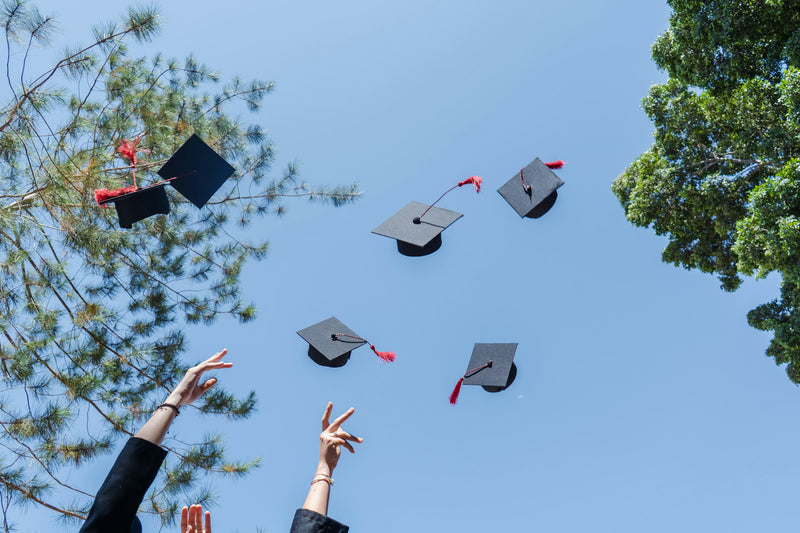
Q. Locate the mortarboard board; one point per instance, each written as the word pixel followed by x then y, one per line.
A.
pixel 532 191
pixel 330 343
pixel 196 171
pixel 418 238
pixel 137 204
pixel 491 366
pixel 418 227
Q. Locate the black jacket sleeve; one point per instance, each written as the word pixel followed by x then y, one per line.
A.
pixel 306 521
pixel 122 492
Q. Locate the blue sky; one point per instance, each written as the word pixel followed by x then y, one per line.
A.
pixel 644 401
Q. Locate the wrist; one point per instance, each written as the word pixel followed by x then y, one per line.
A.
pixel 169 407
pixel 324 469
pixel 174 399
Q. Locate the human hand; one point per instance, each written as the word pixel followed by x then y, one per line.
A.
pixel 332 439
pixel 190 389
pixel 192 520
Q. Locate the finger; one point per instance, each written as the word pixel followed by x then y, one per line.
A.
pixel 194 517
pixel 205 367
pixel 217 356
pixel 208 384
pixel 184 519
pixel 348 446
pixel 199 518
pixel 326 416
pixel 208 522
pixel 214 359
pixel 334 442
pixel 347 436
pixel 338 422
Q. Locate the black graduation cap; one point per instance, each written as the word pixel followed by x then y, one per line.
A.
pixel 196 171
pixel 491 366
pixel 137 205
pixel 417 236
pixel 418 227
pixel 532 191
pixel 330 343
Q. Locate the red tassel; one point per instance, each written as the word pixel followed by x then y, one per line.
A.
pixel 555 164
pixel 386 356
pixel 128 149
pixel 475 180
pixel 456 391
pixel 104 194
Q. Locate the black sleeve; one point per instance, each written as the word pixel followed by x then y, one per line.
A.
pixel 306 521
pixel 122 492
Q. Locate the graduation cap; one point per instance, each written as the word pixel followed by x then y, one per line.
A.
pixel 195 170
pixel 418 227
pixel 134 204
pixel 330 343
pixel 491 366
pixel 532 191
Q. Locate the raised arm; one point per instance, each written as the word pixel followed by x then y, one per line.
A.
pixel 119 497
pixel 332 438
pixel 312 517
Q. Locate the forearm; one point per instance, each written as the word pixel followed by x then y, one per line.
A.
pixel 319 493
pixel 155 429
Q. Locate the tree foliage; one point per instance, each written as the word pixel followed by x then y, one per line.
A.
pixel 90 325
pixel 721 180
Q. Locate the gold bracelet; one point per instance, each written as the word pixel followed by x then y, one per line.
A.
pixel 322 477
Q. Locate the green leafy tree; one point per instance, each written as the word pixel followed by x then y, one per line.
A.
pixel 722 179
pixel 90 337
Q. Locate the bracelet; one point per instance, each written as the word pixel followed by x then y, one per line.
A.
pixel 173 407
pixel 322 477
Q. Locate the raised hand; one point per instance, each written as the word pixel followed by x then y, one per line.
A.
pixel 332 438
pixel 192 520
pixel 190 388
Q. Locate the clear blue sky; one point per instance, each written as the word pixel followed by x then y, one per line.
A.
pixel 644 401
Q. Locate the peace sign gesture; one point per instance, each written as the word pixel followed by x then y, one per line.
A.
pixel 332 438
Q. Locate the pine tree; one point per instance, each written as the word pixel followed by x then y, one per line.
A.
pixel 92 314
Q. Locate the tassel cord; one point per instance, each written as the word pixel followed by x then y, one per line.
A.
pixel 474 371
pixel 385 356
pixel 434 203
